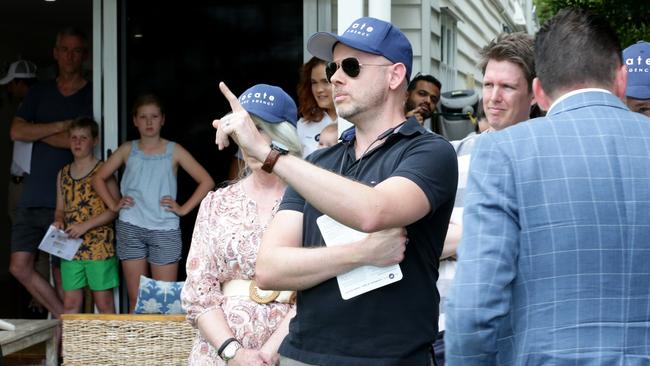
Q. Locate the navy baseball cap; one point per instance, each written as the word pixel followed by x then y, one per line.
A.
pixel 369 35
pixel 637 62
pixel 269 103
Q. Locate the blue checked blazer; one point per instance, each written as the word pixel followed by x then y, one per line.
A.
pixel 554 263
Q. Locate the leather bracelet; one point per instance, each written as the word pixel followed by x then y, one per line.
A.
pixel 225 344
pixel 270 160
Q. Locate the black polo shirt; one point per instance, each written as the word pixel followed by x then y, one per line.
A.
pixel 394 324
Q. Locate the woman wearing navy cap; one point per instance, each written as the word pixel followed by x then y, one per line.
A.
pixel 240 324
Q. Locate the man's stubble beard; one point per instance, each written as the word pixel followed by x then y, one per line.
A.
pixel 354 108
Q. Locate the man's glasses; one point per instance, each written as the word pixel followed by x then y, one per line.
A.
pixel 350 66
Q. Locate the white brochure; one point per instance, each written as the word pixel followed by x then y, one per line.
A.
pixel 58 243
pixel 362 279
pixel 22 158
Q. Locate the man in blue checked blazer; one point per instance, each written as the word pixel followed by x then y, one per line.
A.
pixel 554 264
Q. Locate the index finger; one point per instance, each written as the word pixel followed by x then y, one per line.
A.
pixel 232 99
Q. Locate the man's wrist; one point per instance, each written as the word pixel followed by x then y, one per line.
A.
pixel 358 254
pixel 64 125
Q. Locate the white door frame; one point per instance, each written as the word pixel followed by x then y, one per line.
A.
pixel 105 75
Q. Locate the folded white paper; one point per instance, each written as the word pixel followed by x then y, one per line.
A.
pixel 362 279
pixel 22 158
pixel 58 243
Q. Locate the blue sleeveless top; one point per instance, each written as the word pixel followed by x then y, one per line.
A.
pixel 148 178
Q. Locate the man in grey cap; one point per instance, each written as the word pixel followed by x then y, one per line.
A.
pixel 389 178
pixel 637 61
pixel 17 81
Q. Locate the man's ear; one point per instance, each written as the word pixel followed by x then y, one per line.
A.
pixel 543 101
pixel 397 74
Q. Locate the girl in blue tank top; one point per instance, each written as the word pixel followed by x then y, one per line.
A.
pixel 147 231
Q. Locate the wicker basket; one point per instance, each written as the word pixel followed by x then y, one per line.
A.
pixel 125 339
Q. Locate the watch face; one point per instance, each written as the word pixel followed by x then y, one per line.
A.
pixel 231 349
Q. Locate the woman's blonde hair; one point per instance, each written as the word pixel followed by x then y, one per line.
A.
pixel 282 132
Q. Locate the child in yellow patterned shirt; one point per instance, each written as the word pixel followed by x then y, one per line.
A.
pixel 82 214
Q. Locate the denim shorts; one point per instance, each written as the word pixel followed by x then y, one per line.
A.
pixel 159 247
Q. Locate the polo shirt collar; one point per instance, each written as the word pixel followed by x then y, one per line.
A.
pixel 407 128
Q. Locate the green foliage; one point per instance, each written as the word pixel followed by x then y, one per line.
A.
pixel 630 18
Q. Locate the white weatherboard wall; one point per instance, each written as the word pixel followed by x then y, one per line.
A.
pixel 477 23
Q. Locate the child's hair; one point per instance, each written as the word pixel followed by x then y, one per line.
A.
pixel 332 127
pixel 147 99
pixel 85 122
pixel 328 132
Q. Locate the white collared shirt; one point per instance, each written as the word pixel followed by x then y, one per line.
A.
pixel 574 92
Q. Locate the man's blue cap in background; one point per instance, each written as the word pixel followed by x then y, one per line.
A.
pixel 637 62
pixel 369 35
pixel 269 103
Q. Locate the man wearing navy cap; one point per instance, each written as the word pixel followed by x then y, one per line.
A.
pixel 637 61
pixel 388 177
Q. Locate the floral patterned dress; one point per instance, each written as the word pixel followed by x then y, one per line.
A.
pixel 227 236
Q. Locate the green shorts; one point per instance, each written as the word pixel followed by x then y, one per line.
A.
pixel 97 275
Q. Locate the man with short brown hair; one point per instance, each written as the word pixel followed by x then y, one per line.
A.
pixel 553 264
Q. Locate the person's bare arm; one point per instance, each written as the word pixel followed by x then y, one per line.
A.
pixel 59 221
pixel 60 140
pixel 22 130
pixel 282 262
pixel 79 229
pixel 454 233
pixel 214 329
pixel 272 344
pixel 114 162
pixel 395 202
pixel 200 176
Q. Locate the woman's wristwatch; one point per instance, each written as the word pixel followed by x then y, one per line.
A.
pixel 228 349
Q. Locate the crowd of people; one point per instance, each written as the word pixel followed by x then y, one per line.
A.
pixel 386 244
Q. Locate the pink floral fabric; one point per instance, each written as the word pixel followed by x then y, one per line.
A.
pixel 227 236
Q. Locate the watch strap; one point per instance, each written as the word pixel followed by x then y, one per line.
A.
pixel 270 160
pixel 224 345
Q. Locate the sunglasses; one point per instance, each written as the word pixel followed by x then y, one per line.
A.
pixel 350 66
